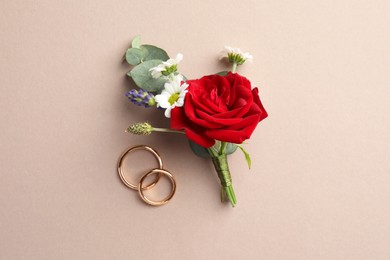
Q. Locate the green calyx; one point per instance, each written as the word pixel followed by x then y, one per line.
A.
pixel 236 58
pixel 169 70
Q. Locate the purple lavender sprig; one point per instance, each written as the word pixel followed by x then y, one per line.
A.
pixel 141 98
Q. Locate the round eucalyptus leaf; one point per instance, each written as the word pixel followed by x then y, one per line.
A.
pixel 199 150
pixel 202 152
pixel 155 53
pixel 136 43
pixel 135 56
pixel 143 78
pixel 231 148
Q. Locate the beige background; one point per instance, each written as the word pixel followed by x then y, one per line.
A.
pixel 319 187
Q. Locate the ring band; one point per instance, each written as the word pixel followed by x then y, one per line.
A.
pixel 159 172
pixel 122 176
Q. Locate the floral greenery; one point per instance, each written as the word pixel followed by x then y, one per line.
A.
pixel 216 113
pixel 143 58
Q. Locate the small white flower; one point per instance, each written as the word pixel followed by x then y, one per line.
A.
pixel 166 68
pixel 235 55
pixel 173 95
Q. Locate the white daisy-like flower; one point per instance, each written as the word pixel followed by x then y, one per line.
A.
pixel 173 95
pixel 235 55
pixel 166 68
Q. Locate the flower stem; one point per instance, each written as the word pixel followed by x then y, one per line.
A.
pixel 222 168
pixel 223 148
pixel 167 130
pixel 234 67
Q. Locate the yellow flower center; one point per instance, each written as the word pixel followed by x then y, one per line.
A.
pixel 173 98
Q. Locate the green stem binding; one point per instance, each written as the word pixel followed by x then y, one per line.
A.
pixel 222 168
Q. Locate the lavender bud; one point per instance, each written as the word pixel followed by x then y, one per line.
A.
pixel 141 97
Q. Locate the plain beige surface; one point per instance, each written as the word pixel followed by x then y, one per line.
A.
pixel 319 187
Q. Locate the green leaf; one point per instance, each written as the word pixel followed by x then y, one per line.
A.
pixel 202 152
pixel 155 53
pixel 199 150
pixel 222 73
pixel 247 156
pixel 231 148
pixel 143 78
pixel 136 43
pixel 135 56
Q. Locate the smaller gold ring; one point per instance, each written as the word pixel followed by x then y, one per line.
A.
pixel 139 147
pixel 161 202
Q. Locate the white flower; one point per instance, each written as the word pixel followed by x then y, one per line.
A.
pixel 235 55
pixel 166 68
pixel 173 95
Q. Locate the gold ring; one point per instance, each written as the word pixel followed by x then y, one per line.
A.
pixel 139 147
pixel 161 202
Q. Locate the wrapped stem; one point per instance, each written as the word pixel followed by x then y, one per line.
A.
pixel 222 168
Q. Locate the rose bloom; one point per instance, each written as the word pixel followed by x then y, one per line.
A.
pixel 223 108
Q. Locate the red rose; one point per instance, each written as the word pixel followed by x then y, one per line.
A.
pixel 223 108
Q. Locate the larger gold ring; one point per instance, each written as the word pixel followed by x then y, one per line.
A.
pixel 139 147
pixel 161 202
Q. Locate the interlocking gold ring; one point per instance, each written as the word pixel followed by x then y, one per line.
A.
pixel 139 147
pixel 158 172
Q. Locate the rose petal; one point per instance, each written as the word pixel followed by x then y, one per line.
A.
pixel 217 107
pixel 231 136
pixel 189 111
pixel 178 118
pixel 179 121
pixel 245 122
pixel 220 122
pixel 257 100
pixel 201 139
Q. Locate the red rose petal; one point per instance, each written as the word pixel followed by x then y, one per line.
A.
pixel 200 139
pixel 221 108
pixel 189 111
pixel 231 136
pixel 219 122
pixel 257 100
pixel 246 122
pixel 179 121
pixel 178 118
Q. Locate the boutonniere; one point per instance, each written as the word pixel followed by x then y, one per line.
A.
pixel 216 112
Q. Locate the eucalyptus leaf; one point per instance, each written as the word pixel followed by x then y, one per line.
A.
pixel 135 56
pixel 136 43
pixel 155 53
pixel 199 150
pixel 247 156
pixel 231 148
pixel 202 152
pixel 222 73
pixel 143 78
